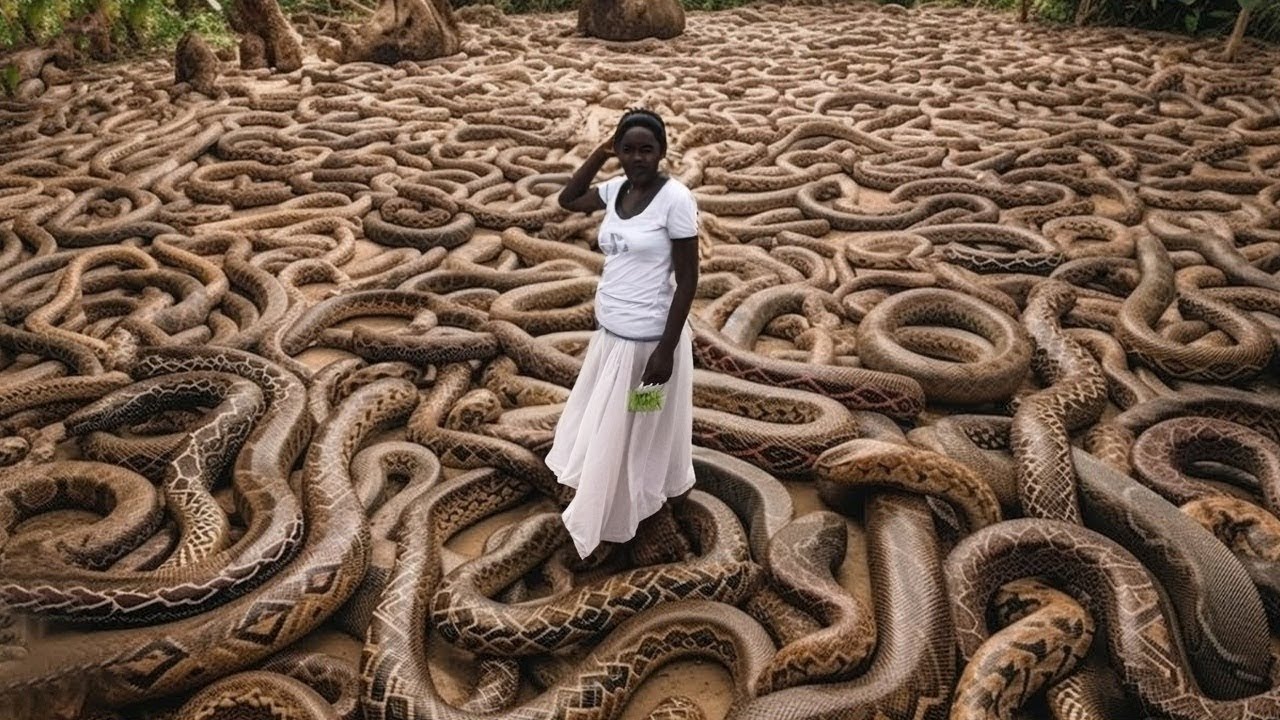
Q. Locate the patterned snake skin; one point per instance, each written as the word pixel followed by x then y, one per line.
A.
pixel 1075 398
pixel 1112 585
pixel 1211 595
pixel 463 614
pixel 911 672
pixel 1046 636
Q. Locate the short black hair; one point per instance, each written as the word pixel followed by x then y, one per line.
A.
pixel 647 119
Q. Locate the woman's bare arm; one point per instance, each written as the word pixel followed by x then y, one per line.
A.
pixel 577 194
pixel 684 262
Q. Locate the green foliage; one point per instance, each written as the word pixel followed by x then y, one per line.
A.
pixel 9 77
pixel 39 18
pixel 1194 17
pixel 10 30
pixel 1056 10
pixel 134 25
pixel 211 25
pixel 1265 22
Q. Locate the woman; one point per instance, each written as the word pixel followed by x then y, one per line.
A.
pixel 624 465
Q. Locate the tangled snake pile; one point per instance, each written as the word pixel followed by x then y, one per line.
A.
pixel 274 364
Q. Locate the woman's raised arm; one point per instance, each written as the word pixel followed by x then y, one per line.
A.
pixel 577 194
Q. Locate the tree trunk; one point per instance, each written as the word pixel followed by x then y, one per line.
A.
pixel 1023 7
pixel 1237 34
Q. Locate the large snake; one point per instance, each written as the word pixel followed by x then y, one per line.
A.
pixel 1245 357
pixel 199 459
pixel 992 378
pixel 269 507
pixel 1164 458
pixel 802 557
pixel 1075 398
pixel 1047 635
pixel 1216 608
pixel 912 668
pixel 124 666
pixel 463 614
pixel 1114 587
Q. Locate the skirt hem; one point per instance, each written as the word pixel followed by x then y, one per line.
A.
pixel 620 463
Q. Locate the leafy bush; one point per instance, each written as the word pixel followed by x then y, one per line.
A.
pixel 134 24
pixel 1266 22
pixel 1204 17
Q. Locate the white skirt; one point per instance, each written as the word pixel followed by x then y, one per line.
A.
pixel 623 464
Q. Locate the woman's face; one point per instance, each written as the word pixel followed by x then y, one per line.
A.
pixel 639 152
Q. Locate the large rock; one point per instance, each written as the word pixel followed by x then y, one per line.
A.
pixel 403 30
pixel 630 19
pixel 39 68
pixel 28 63
pixel 267 38
pixel 253 52
pixel 195 63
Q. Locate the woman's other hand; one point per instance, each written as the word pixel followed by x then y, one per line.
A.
pixel 658 370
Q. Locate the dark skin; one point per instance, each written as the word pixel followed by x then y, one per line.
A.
pixel 640 154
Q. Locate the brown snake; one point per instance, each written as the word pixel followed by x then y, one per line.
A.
pixel 199 459
pixel 989 379
pixel 1163 457
pixel 1246 356
pixel 801 559
pixel 1112 585
pixel 311 586
pixel 1046 636
pixel 275 521
pixel 911 672
pixel 463 614
pixel 1075 398
pixel 1212 596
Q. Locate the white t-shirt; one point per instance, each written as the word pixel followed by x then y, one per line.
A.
pixel 637 285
